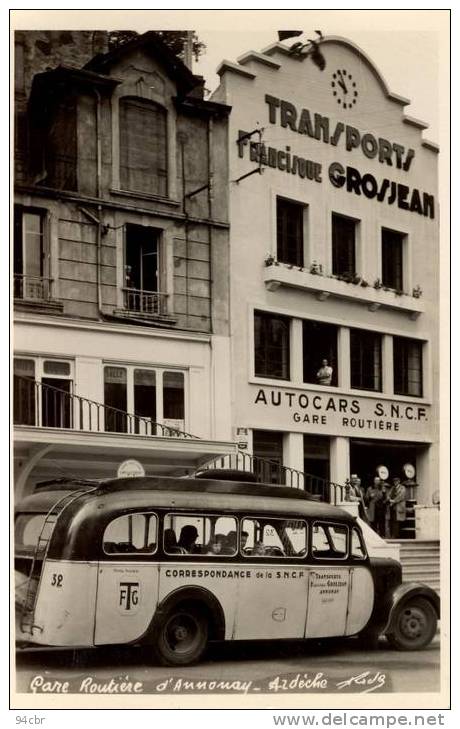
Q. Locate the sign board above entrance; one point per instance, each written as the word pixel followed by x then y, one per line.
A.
pixel 307 411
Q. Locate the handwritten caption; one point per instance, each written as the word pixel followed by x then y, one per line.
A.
pixel 364 682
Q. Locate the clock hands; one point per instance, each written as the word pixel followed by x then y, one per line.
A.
pixel 341 82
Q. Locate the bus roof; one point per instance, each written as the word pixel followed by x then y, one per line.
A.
pixel 169 491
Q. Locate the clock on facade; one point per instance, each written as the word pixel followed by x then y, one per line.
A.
pixel 344 88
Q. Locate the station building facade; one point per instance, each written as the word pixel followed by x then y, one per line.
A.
pixel 121 260
pixel 334 256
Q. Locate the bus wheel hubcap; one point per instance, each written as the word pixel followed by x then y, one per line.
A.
pixel 413 622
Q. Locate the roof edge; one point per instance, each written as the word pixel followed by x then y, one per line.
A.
pixel 259 58
pixel 234 68
pixel 401 100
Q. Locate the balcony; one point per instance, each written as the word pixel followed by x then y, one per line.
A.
pixel 34 292
pixel 142 304
pixel 44 406
pixel 59 433
pixel 279 274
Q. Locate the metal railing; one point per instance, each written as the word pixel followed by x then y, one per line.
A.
pixel 34 288
pixel 42 405
pixel 145 302
pixel 267 471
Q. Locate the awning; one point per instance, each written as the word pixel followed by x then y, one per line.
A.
pixel 42 453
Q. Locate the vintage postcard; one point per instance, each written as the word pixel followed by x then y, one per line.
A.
pixel 229 276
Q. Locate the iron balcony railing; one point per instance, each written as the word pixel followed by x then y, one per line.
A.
pixel 43 405
pixel 145 302
pixel 34 288
pixel 267 471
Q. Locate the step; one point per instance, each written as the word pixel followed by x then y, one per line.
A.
pixel 421 561
pixel 425 573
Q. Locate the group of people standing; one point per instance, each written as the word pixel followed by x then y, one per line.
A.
pixel 381 505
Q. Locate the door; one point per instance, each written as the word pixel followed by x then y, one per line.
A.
pixel 127 585
pixel 272 592
pixel 328 581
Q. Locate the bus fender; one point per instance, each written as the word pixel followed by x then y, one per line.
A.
pixel 405 592
pixel 194 594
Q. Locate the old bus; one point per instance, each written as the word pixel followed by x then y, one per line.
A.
pixel 174 563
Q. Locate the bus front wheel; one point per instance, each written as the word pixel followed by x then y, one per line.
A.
pixel 414 625
pixel 182 636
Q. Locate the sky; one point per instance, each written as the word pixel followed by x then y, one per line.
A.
pixel 409 47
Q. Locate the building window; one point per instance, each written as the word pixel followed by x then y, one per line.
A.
pixel 366 360
pixel 392 259
pixel 289 231
pixel 343 246
pixel 60 148
pixel 139 398
pixel 173 396
pixel 271 343
pixel 142 271
pixel 143 147
pixel 24 392
pixel 43 393
pixel 115 396
pixel 31 255
pixel 407 366
pixel 267 447
pixel 319 353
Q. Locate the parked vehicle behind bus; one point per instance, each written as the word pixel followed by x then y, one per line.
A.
pixel 175 563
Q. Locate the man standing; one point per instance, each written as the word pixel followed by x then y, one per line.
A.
pixel 324 374
pixel 354 492
pixel 397 504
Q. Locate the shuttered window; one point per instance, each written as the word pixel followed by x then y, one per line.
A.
pixel 61 147
pixel 143 147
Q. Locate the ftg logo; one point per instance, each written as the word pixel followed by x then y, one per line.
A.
pixel 129 597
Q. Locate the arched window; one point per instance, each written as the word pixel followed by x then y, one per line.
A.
pixel 143 147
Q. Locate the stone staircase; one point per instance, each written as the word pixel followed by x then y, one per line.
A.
pixel 420 561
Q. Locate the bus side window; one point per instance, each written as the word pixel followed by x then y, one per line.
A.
pixel 358 550
pixel 329 541
pixel 131 534
pixel 213 535
pixel 273 537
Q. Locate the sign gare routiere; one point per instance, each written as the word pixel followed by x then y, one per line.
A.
pixel 319 127
pixel 338 414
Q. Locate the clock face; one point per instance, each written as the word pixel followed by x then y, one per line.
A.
pixel 344 89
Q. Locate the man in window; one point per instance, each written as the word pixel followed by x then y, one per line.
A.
pixel 324 374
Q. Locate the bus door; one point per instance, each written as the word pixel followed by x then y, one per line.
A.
pixel 340 596
pixel 328 581
pixel 271 597
pixel 127 587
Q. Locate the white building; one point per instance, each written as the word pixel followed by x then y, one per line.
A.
pixel 334 256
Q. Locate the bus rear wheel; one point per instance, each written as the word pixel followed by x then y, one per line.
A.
pixel 413 626
pixel 182 637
